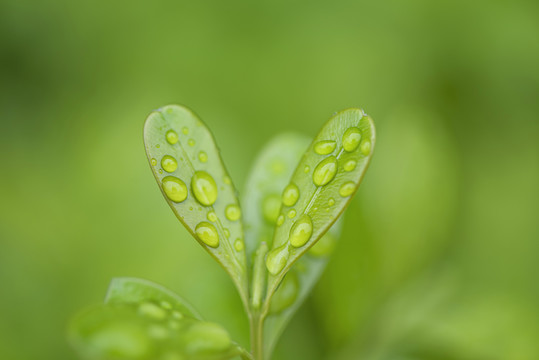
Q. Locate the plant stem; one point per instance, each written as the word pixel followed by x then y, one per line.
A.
pixel 257 335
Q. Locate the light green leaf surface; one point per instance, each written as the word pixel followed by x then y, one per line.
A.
pixel 326 178
pixel 191 175
pixel 269 176
pixel 143 321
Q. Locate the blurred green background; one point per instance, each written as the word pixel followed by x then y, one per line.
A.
pixel 440 256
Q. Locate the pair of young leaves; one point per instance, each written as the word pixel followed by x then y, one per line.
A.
pixel 288 213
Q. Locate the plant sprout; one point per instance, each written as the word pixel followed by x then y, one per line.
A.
pixel 274 250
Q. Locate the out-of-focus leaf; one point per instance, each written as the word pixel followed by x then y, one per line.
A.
pixel 133 290
pixel 143 321
pixel 323 183
pixel 189 171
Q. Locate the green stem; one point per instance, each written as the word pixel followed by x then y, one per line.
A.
pixel 257 336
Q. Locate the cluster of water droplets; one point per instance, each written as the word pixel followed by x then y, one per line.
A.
pixel 353 141
pixel 165 322
pixel 204 189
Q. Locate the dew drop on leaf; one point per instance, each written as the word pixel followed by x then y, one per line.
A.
pixel 204 188
pixel 351 139
pixel 172 137
pixel 325 147
pixel 153 162
pixel 306 169
pixel 301 231
pixel 202 156
pixel 185 130
pixel 174 189
pixel 347 189
pixel 227 233
pixel 152 311
pixel 291 214
pixel 233 212
pixel 211 216
pixel 169 164
pixel 290 194
pixel 238 245
pixel 191 142
pixel 349 165
pixel 366 147
pixel 331 201
pixel 207 233
pixel 277 258
pixel 325 171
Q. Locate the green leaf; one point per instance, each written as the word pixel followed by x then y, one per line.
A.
pixel 133 290
pixel 190 173
pixel 269 175
pixel 271 172
pixel 322 185
pixel 143 320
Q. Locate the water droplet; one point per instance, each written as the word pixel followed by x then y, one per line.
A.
pixel 347 189
pixel 238 245
pixel 270 208
pixel 152 311
pixel 158 332
pixel 165 305
pixel 202 156
pixel 211 216
pixel 351 139
pixel 153 162
pixel 172 137
pixel 301 231
pixel 204 188
pixel 349 165
pixel 174 189
pixel 177 315
pixel 325 147
pixel 280 220
pixel 324 246
pixel 185 130
pixel 306 169
pixel 169 164
pixel 277 258
pixel 207 233
pixel 325 171
pixel 291 214
pixel 227 233
pixel 191 142
pixel 331 201
pixel 160 171
pixel 366 147
pixel 233 212
pixel 290 194
pixel 227 180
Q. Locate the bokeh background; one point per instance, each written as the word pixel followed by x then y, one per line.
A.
pixel 440 255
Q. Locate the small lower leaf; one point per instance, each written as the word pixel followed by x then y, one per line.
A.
pixel 144 321
pixel 133 290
